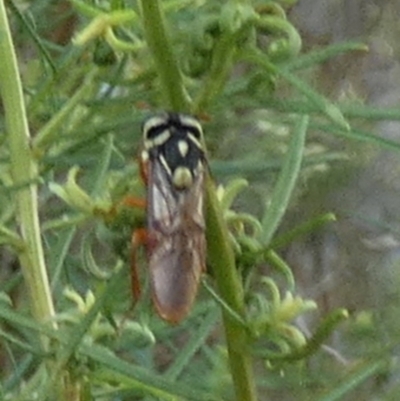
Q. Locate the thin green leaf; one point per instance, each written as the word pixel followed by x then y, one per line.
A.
pixel 369 112
pixel 354 380
pixel 256 167
pixel 61 251
pixel 278 204
pixel 324 105
pixel 198 338
pixel 320 102
pixel 303 229
pixel 276 261
pixel 319 56
pixel 36 39
pixel 144 377
pixel 360 135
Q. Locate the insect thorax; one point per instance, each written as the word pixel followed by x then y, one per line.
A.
pixel 175 142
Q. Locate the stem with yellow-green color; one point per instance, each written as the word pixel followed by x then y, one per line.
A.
pixel 165 62
pixel 220 254
pixel 222 261
pixel 24 172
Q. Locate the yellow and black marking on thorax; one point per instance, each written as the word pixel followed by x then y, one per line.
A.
pixel 175 141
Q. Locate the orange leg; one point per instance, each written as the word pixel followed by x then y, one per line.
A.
pixel 139 238
pixel 134 202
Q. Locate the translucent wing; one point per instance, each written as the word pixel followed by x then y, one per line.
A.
pixel 176 242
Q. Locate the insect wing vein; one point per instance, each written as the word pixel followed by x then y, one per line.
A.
pixel 177 243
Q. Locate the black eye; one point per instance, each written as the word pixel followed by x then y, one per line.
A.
pixel 155 131
pixel 153 127
pixel 193 130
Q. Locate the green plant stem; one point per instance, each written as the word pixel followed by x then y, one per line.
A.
pixel 222 261
pixel 219 250
pixel 24 172
pixel 167 68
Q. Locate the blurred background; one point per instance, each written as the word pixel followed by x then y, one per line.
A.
pixel 353 263
pixel 356 261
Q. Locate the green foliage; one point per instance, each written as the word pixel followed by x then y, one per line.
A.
pixel 72 334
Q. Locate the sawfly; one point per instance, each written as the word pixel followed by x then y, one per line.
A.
pixel 173 166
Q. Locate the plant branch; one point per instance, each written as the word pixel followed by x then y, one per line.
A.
pixel 24 172
pixel 222 261
pixel 219 250
pixel 165 62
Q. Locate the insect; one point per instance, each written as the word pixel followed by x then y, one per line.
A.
pixel 173 166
